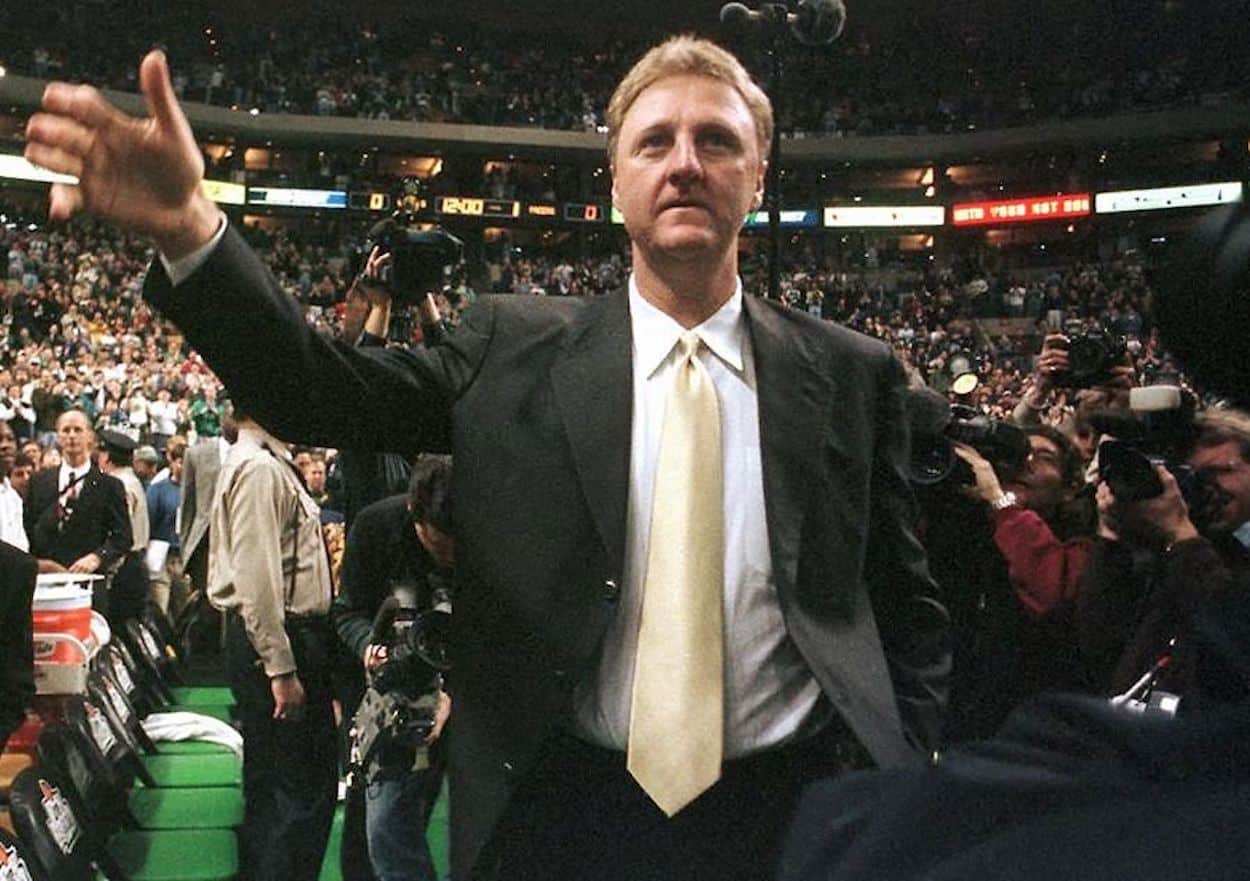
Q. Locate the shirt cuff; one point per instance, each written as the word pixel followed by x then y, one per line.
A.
pixel 184 267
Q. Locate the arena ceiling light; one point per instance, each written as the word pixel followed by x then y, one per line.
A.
pixel 864 216
pixel 1167 198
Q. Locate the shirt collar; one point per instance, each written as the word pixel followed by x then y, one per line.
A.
pixel 78 473
pixel 656 333
pixel 1242 534
pixel 262 438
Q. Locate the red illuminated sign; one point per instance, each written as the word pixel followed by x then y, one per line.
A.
pixel 1021 210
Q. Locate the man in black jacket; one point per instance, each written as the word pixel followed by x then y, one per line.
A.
pixel 794 542
pixel 75 516
pixel 17 662
pixel 400 543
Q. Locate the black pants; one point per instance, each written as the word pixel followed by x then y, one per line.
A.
pixel 128 595
pixel 290 775
pixel 581 815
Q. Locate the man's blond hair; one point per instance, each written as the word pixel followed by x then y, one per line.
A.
pixel 688 54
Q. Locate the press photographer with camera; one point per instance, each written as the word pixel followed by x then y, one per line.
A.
pixel 396 580
pixel 1038 527
pixel 1162 555
pixel 1086 371
pixel 1007 529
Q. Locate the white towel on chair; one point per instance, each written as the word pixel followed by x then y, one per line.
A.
pixel 192 726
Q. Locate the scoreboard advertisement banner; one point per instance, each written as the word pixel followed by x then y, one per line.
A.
pixel 296 198
pixel 862 216
pixel 1060 207
pixel 1165 198
pixel 474 206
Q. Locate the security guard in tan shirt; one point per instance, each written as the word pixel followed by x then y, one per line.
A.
pixel 268 571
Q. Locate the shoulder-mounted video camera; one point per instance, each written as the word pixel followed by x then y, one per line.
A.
pixel 398 709
pixel 936 425
pixel 420 251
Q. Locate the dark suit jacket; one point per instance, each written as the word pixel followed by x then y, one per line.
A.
pixel 534 397
pixel 100 523
pixel 17 659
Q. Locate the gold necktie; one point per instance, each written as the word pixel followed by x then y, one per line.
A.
pixel 677 719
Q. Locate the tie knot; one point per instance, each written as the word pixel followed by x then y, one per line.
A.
pixel 689 342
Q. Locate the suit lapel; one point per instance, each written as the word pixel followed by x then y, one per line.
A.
pixel 794 399
pixel 593 383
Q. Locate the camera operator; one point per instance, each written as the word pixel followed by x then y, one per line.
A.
pixel 1100 381
pixel 402 540
pixel 1038 527
pixel 1154 569
pixel 367 477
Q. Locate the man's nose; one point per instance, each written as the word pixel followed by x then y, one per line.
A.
pixel 684 162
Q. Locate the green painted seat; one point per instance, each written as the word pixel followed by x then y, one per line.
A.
pixel 185 855
pixel 209 807
pixel 217 711
pixel 203 695
pixel 195 770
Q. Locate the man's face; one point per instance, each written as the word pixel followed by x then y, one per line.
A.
pixel 687 168
pixel 1041 487
pixel 315 476
pixel 19 477
pixel 1224 464
pixel 144 470
pixel 8 449
pixel 440 545
pixel 74 437
pixel 302 461
pixel 34 451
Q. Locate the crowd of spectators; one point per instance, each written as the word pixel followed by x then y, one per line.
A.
pixel 986 75
pixel 76 332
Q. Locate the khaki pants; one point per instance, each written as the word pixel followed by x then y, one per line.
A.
pixel 169 586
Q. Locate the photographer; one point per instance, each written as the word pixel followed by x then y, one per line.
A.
pixel 1099 380
pixel 1038 527
pixel 402 540
pixel 1154 569
pixel 1020 641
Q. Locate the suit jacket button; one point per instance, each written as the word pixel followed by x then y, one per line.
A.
pixel 508 768
pixel 611 591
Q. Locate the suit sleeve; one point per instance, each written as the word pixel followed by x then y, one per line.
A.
pixel 305 387
pixel 17 660
pixel 914 626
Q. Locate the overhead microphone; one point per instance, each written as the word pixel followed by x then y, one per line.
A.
pixel 816 23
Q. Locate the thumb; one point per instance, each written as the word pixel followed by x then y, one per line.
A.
pixel 158 94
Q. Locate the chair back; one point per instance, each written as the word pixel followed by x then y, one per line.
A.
pixel 46 822
pixel 17 863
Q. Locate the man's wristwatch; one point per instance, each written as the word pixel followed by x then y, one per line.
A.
pixel 1006 500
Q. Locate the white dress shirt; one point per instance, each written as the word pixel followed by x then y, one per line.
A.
pixel 11 528
pixel 770 693
pixel 77 475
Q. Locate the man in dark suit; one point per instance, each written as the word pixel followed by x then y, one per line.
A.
pixel 783 480
pixel 17 660
pixel 75 516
